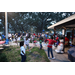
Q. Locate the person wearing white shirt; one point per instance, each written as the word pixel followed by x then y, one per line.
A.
pixel 9 36
pixel 23 52
pixel 26 42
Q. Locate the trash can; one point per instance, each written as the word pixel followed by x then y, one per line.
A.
pixel 71 54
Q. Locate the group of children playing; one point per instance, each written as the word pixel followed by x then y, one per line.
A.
pixel 24 44
pixel 59 47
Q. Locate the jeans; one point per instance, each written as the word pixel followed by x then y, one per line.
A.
pixel 23 57
pixel 50 50
pixel 40 46
pixel 27 45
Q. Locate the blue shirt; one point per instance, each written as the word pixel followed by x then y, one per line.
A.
pixel 46 35
pixel 3 36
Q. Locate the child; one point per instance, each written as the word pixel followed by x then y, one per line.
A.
pixel 26 42
pixel 41 40
pixel 23 52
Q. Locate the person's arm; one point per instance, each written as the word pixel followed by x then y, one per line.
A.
pixel 54 41
pixel 46 40
pixel 23 53
pixel 29 49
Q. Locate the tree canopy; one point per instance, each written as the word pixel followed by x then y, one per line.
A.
pixel 31 21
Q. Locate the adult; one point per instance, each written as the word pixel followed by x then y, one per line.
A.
pixel 57 39
pixel 9 36
pixel 66 41
pixel 16 36
pixel 29 35
pixel 12 37
pixel 50 43
pixel 43 35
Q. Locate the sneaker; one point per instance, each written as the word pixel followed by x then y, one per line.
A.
pixel 48 57
pixel 53 58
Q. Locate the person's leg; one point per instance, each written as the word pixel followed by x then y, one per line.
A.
pixel 51 52
pixel 40 46
pixel 26 47
pixel 24 58
pixel 21 58
pixel 48 52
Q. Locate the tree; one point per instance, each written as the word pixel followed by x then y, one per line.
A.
pixel 25 21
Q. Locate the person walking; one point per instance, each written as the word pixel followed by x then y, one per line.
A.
pixel 26 42
pixel 50 43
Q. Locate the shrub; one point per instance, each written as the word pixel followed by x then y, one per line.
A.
pixel 3 57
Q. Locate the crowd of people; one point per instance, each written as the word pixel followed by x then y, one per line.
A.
pixel 25 38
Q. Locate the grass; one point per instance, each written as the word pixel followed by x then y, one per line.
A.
pixel 12 54
pixel 37 55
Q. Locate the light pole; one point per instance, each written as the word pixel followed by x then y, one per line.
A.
pixel 6 29
pixel 6 25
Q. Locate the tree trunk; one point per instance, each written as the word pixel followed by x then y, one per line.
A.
pixel 22 28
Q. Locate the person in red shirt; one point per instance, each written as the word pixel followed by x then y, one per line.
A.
pixel 50 43
pixel 66 41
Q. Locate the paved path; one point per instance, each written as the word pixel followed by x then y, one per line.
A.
pixel 59 57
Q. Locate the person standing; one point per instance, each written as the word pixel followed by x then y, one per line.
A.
pixel 9 36
pixel 16 35
pixel 50 43
pixel 3 37
pixel 46 35
pixel 41 40
pixel 23 52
